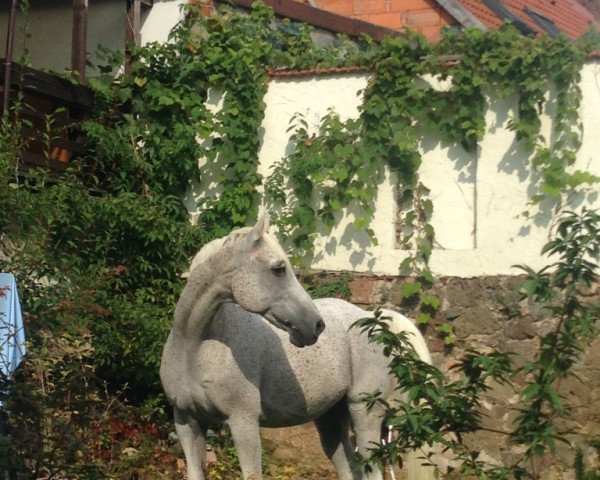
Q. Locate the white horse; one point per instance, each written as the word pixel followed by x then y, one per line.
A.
pixel 223 363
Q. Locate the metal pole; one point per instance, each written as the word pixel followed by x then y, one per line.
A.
pixel 10 38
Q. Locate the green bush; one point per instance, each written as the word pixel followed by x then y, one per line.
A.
pixel 441 412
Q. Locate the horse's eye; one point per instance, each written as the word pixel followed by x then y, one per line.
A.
pixel 279 270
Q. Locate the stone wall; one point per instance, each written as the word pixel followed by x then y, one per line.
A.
pixel 484 316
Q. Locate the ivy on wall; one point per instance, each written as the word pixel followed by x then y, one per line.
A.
pixel 340 167
pixel 342 164
pixel 167 91
pixel 501 62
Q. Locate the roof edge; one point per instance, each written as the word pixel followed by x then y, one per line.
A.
pixel 446 60
pixel 461 14
pixel 317 72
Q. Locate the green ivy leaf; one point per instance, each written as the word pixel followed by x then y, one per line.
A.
pixel 431 301
pixel 411 288
pixel 165 100
pixel 445 328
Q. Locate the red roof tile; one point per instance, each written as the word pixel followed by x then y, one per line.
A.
pixel 568 15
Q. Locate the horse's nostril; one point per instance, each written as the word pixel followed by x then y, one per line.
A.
pixel 320 327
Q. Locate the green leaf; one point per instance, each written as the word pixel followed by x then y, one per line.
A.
pixel 140 81
pixel 164 100
pixel 555 400
pixel 410 289
pixel 361 223
pixel 335 203
pixel 445 328
pixel 406 264
pixel 431 300
pixel 425 249
pixel 530 391
pixel 427 276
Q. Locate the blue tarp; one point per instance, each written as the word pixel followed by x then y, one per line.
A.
pixel 12 331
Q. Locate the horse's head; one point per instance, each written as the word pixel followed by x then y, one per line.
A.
pixel 264 283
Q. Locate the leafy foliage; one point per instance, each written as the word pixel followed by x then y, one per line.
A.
pixel 578 247
pixel 98 251
pixel 338 168
pixel 337 288
pixel 440 412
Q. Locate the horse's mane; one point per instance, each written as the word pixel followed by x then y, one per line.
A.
pixel 212 247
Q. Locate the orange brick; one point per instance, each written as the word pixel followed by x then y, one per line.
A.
pixel 431 32
pixel 388 20
pixel 404 5
pixel 341 7
pixel 370 7
pixel 422 18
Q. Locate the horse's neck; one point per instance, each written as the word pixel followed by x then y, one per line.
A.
pixel 206 290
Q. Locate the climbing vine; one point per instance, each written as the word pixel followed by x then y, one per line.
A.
pixel 168 125
pixel 340 166
pixel 438 411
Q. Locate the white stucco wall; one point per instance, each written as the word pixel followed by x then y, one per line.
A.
pixel 160 19
pixel 479 198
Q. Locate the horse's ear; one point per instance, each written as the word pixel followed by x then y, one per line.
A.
pixel 261 227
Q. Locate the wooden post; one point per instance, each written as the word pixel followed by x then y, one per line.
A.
pixel 132 30
pixel 10 38
pixel 79 39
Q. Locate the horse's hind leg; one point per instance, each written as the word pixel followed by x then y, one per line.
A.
pixel 333 428
pixel 367 428
pixel 193 442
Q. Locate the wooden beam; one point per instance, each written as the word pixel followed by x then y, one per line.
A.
pixel 132 30
pixel 79 39
pixel 461 14
pixel 10 38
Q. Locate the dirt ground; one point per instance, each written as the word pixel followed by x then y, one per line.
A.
pixel 295 454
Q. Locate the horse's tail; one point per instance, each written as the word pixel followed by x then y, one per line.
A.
pixel 414 463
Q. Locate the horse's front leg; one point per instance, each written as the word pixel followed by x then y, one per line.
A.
pixel 193 442
pixel 246 438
